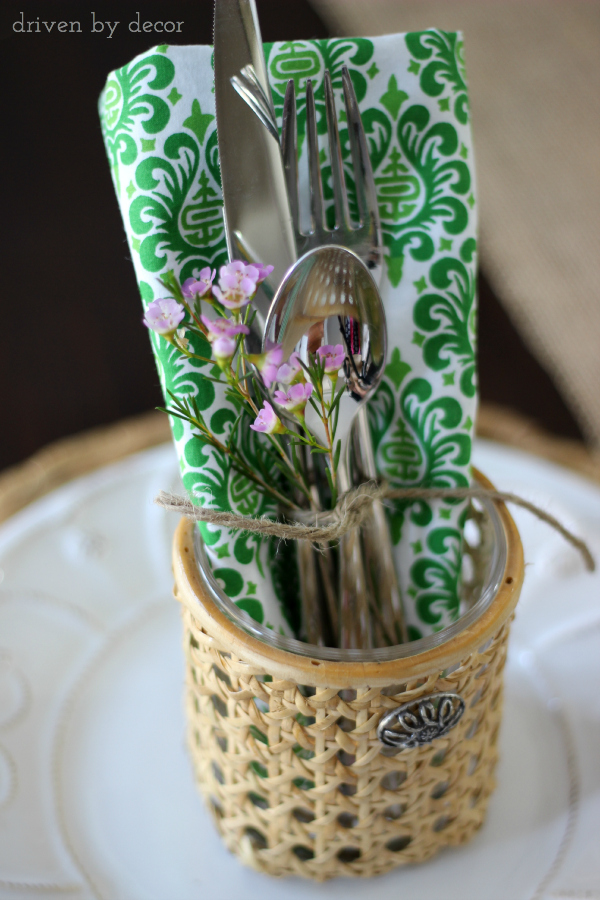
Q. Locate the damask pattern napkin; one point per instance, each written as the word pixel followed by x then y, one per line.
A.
pixel 159 128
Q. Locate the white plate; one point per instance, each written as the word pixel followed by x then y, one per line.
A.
pixel 96 793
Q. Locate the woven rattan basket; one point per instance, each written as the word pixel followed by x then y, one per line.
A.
pixel 286 749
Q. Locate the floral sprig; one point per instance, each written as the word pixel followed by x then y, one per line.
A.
pixel 253 380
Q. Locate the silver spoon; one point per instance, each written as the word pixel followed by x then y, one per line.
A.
pixel 329 297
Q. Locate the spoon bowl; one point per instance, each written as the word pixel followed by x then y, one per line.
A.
pixel 328 298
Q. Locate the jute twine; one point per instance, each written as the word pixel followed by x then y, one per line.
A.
pixel 354 508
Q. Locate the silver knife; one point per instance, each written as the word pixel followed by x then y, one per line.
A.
pixel 258 220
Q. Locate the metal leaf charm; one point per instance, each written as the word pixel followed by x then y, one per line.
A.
pixel 420 721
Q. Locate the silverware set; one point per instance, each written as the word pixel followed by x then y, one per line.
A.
pixel 325 285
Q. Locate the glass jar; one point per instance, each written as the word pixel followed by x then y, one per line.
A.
pixel 322 762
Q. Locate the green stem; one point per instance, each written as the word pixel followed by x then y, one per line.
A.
pixel 187 352
pixel 325 420
pixel 240 464
pixel 297 478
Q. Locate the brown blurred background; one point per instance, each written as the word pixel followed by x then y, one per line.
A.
pixel 75 354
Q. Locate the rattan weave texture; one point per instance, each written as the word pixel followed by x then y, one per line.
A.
pixel 299 783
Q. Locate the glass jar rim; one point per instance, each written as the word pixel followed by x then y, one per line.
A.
pixel 250 626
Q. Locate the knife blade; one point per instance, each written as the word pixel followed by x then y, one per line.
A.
pixel 257 212
pixel 258 219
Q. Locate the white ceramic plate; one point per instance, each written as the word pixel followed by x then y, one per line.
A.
pixel 96 793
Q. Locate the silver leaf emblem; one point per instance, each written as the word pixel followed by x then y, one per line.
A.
pixel 420 721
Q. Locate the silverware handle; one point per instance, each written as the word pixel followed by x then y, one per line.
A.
pixel 354 618
pixel 322 555
pixel 376 535
pixel 310 593
pixel 317 594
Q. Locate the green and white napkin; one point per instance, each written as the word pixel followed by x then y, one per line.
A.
pixel 158 121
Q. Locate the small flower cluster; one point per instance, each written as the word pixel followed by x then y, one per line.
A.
pixel 238 283
pixel 221 334
pixel 289 374
pixel 285 381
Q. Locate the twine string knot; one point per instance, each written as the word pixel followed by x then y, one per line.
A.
pixel 352 511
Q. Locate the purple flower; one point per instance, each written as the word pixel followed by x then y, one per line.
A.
pixel 295 399
pixel 223 349
pixel 290 371
pixel 237 284
pixel 222 333
pixel 218 328
pixel 263 271
pixel 268 362
pixel 193 287
pixel 267 421
pixel 163 316
pixel 333 357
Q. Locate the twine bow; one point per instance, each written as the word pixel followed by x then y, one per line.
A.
pixel 353 509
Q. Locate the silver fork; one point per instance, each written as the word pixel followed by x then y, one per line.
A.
pixel 365 240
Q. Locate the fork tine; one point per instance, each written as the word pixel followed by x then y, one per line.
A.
pixel 366 194
pixel 289 150
pixel 340 196
pixel 316 192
